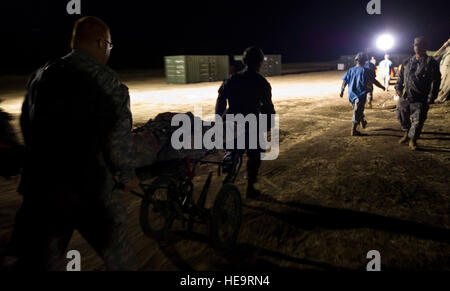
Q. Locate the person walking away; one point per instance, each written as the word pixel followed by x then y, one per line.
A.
pixel 385 68
pixel 357 79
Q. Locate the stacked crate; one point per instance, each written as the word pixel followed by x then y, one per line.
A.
pixel 270 67
pixel 345 62
pixel 195 69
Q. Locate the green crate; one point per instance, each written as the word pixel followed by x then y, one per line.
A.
pixel 196 69
pixel 271 67
pixel 347 60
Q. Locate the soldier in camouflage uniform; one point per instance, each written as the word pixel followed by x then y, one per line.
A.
pixel 418 86
pixel 80 157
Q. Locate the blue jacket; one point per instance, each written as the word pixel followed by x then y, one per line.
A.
pixel 357 79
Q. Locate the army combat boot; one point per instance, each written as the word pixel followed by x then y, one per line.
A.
pixel 413 144
pixel 354 132
pixel 404 139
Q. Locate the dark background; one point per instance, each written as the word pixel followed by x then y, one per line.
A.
pixel 33 32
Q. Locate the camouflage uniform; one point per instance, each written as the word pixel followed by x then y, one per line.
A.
pixel 76 122
pixel 419 81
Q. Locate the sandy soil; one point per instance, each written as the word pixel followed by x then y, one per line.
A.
pixel 327 200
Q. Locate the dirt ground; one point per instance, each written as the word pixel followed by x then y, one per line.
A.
pixel 327 200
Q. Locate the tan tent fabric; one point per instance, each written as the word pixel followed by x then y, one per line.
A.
pixel 444 91
pixel 443 55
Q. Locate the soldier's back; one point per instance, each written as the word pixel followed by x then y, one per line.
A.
pixel 245 91
pixel 62 124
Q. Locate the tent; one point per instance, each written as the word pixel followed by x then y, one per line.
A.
pixel 443 55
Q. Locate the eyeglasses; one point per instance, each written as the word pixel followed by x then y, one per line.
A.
pixel 109 43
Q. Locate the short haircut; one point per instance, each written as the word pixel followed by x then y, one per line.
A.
pixel 421 41
pixel 88 28
pixel 361 57
pixel 253 56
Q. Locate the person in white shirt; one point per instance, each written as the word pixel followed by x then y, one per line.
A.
pixel 385 68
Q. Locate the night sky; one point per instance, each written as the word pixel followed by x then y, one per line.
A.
pixel 34 32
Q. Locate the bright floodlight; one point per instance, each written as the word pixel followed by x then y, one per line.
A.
pixel 385 42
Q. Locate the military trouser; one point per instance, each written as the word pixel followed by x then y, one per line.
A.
pixel 11 160
pixel 253 154
pixel 44 227
pixel 417 111
pixel 358 111
pixel 370 96
pixel 370 93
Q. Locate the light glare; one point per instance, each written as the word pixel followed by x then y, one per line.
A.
pixel 385 42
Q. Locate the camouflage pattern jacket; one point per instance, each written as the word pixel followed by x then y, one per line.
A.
pixel 419 79
pixel 76 122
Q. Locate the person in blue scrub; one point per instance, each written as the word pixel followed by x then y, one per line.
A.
pixel 357 78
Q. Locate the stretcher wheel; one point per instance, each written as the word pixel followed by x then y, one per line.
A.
pixel 226 217
pixel 158 208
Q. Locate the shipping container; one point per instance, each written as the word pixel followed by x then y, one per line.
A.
pixel 196 69
pixel 341 67
pixel 271 66
pixel 347 62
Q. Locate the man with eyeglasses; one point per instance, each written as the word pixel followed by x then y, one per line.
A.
pixel 80 157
